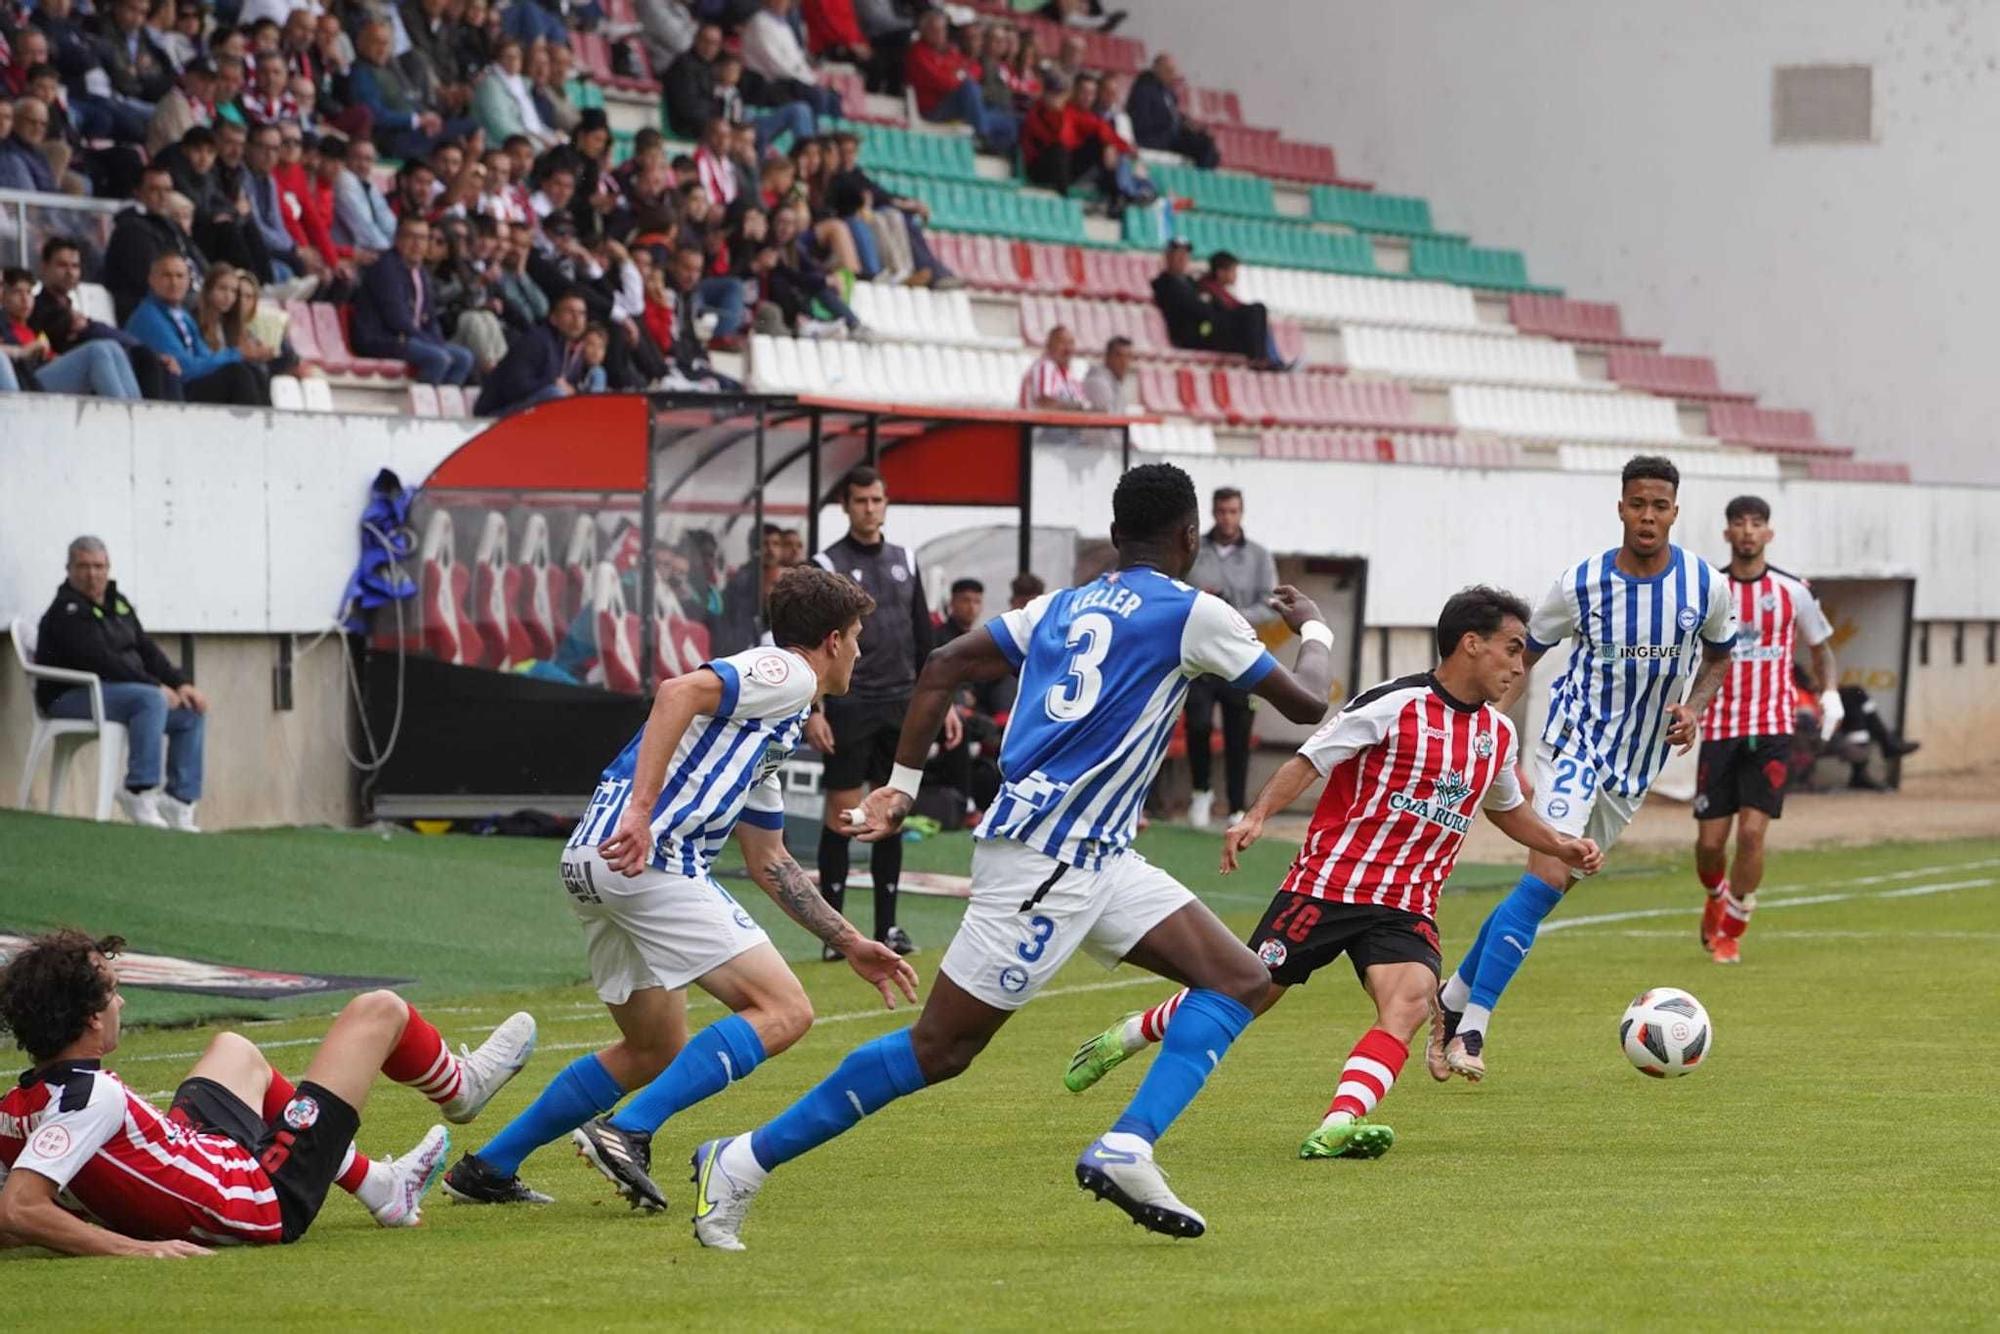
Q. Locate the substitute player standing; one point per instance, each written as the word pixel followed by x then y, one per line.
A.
pixel 1407 765
pixel 1747 732
pixel 1637 613
pixel 88 1167
pixel 637 871
pixel 1103 670
pixel 856 734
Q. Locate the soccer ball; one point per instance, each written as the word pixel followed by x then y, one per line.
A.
pixel 1665 1033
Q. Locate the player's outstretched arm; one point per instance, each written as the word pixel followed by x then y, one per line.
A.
pixel 966 660
pixel 30 1216
pixel 1294 776
pixel 1684 727
pixel 675 704
pixel 789 887
pixel 1521 824
pixel 1300 694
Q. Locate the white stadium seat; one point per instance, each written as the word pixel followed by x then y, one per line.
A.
pixel 286 393
pixel 1174 437
pixel 94 300
pixel 319 394
pixel 1746 464
pixel 1340 296
pixel 919 315
pixel 1557 414
pixel 1431 355
pixel 889 372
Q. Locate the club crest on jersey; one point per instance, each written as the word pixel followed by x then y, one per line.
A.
pixel 1689 618
pixel 1271 953
pixel 899 574
pixel 1013 979
pixel 771 669
pixel 1558 808
pixel 1482 746
pixel 301 1113
pixel 50 1142
pixel 1441 807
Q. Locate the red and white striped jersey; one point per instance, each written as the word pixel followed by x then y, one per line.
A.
pixel 120 1162
pixel 1757 697
pixel 1407 766
pixel 1046 380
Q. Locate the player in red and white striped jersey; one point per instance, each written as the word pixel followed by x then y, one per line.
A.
pixel 1747 732
pixel 88 1167
pixel 1050 384
pixel 1407 765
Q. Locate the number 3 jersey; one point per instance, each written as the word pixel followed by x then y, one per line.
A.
pixel 1407 769
pixel 1104 668
pixel 725 768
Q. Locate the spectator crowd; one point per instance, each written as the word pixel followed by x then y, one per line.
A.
pixel 443 171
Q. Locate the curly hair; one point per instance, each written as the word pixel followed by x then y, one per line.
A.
pixel 49 990
pixel 1650 468
pixel 807 604
pixel 1152 500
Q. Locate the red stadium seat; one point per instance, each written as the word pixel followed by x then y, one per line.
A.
pixel 539 591
pixel 1658 373
pixel 1774 430
pixel 446 632
pixel 579 562
pixel 1577 321
pixel 494 589
pixel 1206 396
pixel 1328 446
pixel 305 339
pixel 1160 390
pixel 1049 268
pixel 330 324
pixel 616 631
pixel 1857 470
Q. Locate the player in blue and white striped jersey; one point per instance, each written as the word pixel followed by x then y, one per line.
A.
pixel 1646 617
pixel 654 918
pixel 1103 670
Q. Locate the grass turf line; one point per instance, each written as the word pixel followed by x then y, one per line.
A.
pixel 1822 1168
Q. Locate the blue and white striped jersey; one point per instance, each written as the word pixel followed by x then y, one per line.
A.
pixel 1103 669
pixel 725 768
pixel 1636 650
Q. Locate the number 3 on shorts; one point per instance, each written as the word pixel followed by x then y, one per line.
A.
pixel 1076 694
pixel 1031 950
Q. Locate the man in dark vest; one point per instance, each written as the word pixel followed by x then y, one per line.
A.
pixel 856 734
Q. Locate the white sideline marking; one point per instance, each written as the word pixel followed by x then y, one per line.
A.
pixel 1887 933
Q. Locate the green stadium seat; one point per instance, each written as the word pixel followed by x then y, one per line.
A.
pixel 1218 191
pixel 1366 211
pixel 1454 262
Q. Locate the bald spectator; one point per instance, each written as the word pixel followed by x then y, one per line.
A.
pixel 1049 385
pixel 90 627
pixel 1157 118
pixel 208 374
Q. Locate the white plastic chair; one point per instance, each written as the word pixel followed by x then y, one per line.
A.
pixel 286 395
pixel 63 737
pixel 319 394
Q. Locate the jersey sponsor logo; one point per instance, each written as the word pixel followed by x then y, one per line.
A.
pixel 774 760
pixel 169 973
pixel 1617 652
pixel 302 1113
pixel 771 669
pixel 1271 953
pixel 1013 979
pixel 1440 808
pixel 1769 602
pixel 1482 746
pixel 50 1142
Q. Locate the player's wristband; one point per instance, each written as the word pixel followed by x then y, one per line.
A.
pixel 1317 632
pixel 906 780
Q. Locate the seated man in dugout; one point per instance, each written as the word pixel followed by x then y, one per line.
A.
pixel 90 627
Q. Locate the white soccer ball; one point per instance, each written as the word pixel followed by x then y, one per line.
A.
pixel 1666 1033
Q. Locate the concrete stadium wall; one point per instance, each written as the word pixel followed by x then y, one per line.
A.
pixel 1626 148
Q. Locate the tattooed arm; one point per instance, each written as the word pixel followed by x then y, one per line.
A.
pixel 792 890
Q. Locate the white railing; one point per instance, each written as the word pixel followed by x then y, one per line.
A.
pixel 28 218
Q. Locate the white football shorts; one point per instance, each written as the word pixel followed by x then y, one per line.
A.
pixel 655 929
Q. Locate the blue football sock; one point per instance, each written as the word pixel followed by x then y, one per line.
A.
pixel 724 1052
pixel 1510 933
pixel 1468 967
pixel 871 1077
pixel 1201 1032
pixel 581 1091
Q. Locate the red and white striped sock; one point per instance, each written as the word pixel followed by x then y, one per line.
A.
pixel 1369 1074
pixel 421 1060
pixel 1152 1025
pixel 1736 914
pixel 277 1095
pixel 1716 884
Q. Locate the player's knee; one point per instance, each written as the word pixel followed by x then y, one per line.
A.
pixel 783 1021
pixel 942 1058
pixel 1403 1014
pixel 1247 981
pixel 380 1007
pixel 1749 839
pixel 239 1049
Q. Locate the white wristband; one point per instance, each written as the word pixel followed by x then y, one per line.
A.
pixel 1317 632
pixel 906 780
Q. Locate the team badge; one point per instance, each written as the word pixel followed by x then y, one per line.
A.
pixel 50 1142
pixel 301 1113
pixel 1558 808
pixel 1688 618
pixel 1701 803
pixel 1013 979
pixel 1483 747
pixel 771 669
pixel 745 920
pixel 899 574
pixel 1271 953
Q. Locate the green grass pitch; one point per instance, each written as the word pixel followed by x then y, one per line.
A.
pixel 1833 1164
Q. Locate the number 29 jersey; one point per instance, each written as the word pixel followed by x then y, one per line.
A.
pixel 1104 668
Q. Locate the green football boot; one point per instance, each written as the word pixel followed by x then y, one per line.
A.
pixel 1098 1057
pixel 1349 1139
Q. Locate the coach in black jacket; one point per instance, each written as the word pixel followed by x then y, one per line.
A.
pixel 90 627
pixel 1189 311
pixel 541 364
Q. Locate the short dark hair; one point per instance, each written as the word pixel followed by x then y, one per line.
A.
pixel 55 245
pixel 1222 259
pixel 1151 500
pixel 11 275
pixel 1223 493
pixel 807 604
pixel 862 475
pixel 967 586
pixel 409 220
pixel 1121 342
pixel 1650 468
pixel 1027 584
pixel 1751 505
pixel 49 990
pixel 198 136
pixel 1479 610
